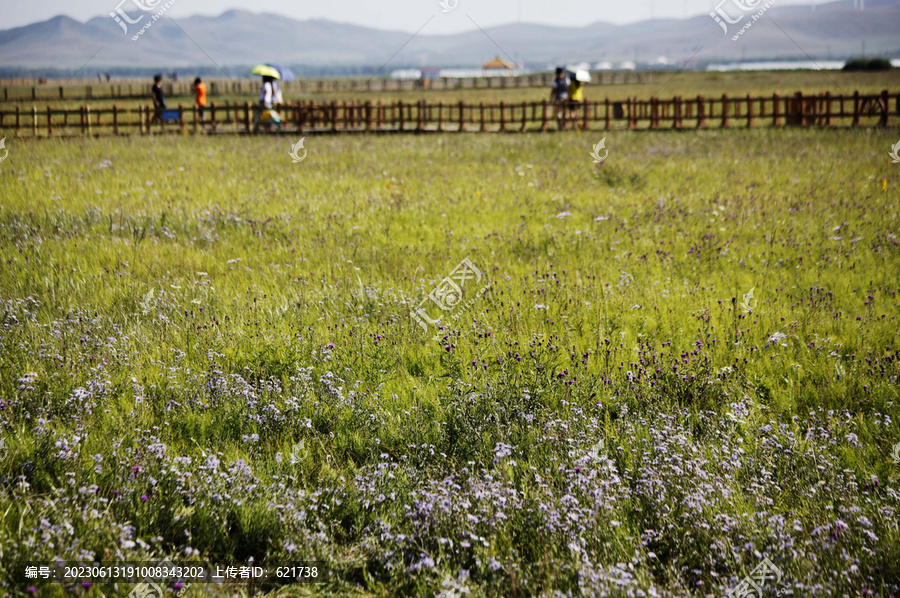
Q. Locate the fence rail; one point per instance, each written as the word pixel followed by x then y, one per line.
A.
pixel 821 110
pixel 32 91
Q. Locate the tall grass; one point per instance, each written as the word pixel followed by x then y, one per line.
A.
pixel 180 313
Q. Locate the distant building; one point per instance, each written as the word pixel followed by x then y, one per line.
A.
pixel 495 68
pixel 406 74
pixel 498 64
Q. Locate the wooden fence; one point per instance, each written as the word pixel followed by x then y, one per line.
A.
pixel 309 117
pixel 133 89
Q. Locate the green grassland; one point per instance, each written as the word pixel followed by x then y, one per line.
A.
pixel 207 354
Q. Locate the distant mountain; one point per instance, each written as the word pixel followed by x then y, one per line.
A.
pixel 238 38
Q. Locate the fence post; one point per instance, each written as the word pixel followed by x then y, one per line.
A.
pixel 885 101
pixel 181 119
pixel 502 114
pixel 247 117
pixel 212 116
pixel 141 119
pixel 400 105
pixel 49 121
pixel 775 102
pixel 87 114
pixel 585 123
pixel 33 95
pixel 606 116
pixel 115 120
pixel 749 111
pixel 61 92
pixel 701 120
pixel 462 120
pixel 440 125
pixel 34 120
pixel 524 115
pixel 828 109
pixel 420 115
pixel 724 110
pixel 481 111
pixel 544 115
pixel 856 108
pixel 807 110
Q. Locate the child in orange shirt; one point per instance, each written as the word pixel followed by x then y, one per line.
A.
pixel 200 93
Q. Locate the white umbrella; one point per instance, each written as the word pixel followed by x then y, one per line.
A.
pixel 579 74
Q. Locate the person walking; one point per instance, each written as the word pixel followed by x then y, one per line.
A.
pixel 267 97
pixel 267 92
pixel 559 94
pixel 576 97
pixel 277 98
pixel 200 96
pixel 159 100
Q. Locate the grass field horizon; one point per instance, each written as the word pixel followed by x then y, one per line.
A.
pixel 687 84
pixel 684 361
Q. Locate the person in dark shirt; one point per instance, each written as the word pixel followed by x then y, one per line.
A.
pixel 559 94
pixel 159 100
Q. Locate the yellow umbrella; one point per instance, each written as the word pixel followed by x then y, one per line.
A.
pixel 265 70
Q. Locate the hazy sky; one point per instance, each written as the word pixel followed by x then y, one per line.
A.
pixel 405 15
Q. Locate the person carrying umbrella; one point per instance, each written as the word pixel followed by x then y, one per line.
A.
pixel 285 75
pixel 576 91
pixel 267 95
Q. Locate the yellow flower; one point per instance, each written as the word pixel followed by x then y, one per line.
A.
pixel 884 184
